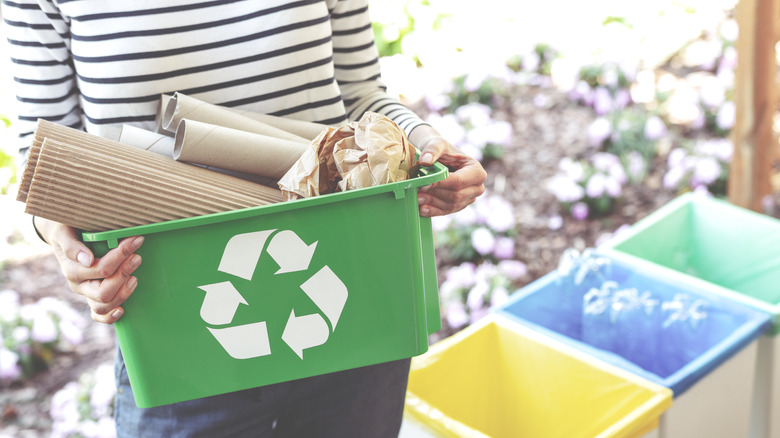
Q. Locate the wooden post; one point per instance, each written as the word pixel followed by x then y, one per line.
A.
pixel 754 96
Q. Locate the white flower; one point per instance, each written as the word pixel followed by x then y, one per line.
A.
pixel 596 185
pixel 9 305
pixel 499 296
pixel 636 166
pixel 476 297
pixel 729 30
pixel 21 334
pixel 500 216
pixel 565 189
pixel 572 169
pixel 612 186
pixel 655 128
pixel 477 114
pixel 461 276
pixel 70 332
pixel 712 92
pixel 448 126
pixel 706 172
pixel 555 222
pixel 9 365
pixel 483 240
pixel 103 391
pixel 726 116
pixel 44 329
pixel 676 157
pixel 673 177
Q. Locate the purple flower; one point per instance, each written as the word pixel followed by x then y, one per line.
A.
pixel 512 269
pixel 9 365
pixel 622 98
pixel 582 92
pixel 579 211
pixel 505 248
pixel 655 128
pixel 604 161
pixel 456 315
pixel 437 101
pixel 602 101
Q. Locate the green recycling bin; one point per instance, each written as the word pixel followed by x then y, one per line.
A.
pixel 242 299
pixel 725 249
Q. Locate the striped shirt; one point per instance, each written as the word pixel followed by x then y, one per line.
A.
pixel 98 64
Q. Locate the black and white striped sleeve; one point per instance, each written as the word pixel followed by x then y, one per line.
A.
pixel 357 66
pixel 44 80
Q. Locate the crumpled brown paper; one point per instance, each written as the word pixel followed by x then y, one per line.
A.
pixel 369 152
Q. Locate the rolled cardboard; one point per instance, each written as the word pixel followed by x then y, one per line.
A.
pixel 96 184
pixel 301 128
pixel 182 106
pixel 233 149
pixel 147 140
pixel 184 173
pixel 162 105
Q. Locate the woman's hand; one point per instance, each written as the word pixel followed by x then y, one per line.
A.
pixel 105 282
pixel 463 185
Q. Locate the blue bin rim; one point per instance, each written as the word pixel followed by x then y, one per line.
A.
pixel 757 323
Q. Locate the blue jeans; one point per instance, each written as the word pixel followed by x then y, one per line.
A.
pixel 362 402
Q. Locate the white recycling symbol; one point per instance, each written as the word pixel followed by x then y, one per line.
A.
pixel 301 332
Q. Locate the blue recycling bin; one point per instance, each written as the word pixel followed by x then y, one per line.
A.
pixel 679 336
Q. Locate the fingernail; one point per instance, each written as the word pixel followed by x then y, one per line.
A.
pixel 132 282
pixel 116 314
pixel 84 259
pixel 425 211
pixel 421 200
pixel 135 261
pixel 427 157
pixel 137 242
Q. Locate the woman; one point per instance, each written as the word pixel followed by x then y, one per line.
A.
pixel 98 64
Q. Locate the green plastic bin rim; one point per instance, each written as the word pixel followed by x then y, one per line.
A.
pixel 426 176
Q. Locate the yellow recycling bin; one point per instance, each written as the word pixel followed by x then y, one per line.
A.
pixel 497 378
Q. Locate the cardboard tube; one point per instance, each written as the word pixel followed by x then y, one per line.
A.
pixel 147 140
pixel 184 107
pixel 233 149
pixel 162 105
pixel 301 128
